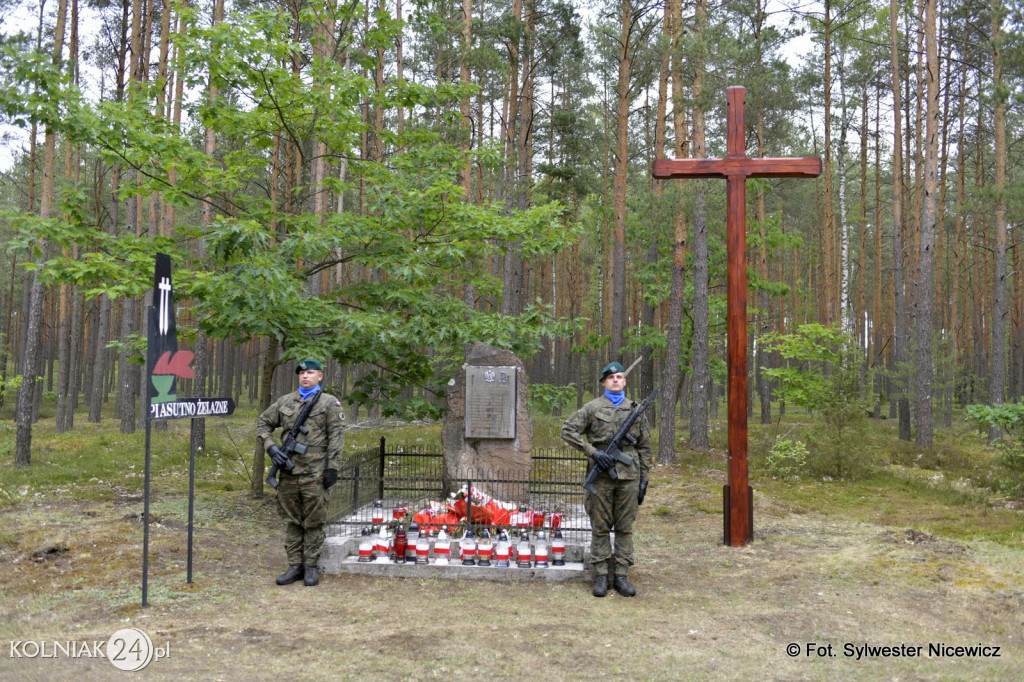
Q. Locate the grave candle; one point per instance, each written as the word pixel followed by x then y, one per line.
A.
pixel 442 549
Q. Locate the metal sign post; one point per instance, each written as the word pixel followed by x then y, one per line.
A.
pixel 165 364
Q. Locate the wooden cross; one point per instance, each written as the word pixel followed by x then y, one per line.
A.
pixel 736 167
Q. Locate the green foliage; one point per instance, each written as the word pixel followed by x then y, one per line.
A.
pixel 1010 418
pixel 786 458
pixel 550 399
pixel 9 386
pixel 844 457
pixel 1007 416
pixel 823 375
pixel 400 265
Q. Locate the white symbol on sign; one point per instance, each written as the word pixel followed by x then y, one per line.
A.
pixel 165 300
pixel 489 375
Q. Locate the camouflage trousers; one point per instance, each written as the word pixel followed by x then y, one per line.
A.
pixel 613 507
pixel 302 502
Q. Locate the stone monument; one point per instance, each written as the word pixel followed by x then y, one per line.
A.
pixel 487 432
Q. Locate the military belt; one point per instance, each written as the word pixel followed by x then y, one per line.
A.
pixel 315 450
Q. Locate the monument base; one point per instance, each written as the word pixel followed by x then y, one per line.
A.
pixel 340 555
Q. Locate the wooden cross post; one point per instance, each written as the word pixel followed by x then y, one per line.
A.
pixel 736 167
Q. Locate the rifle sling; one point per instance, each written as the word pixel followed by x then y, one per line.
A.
pixel 303 415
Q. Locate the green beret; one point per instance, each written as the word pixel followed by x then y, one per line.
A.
pixel 611 368
pixel 310 363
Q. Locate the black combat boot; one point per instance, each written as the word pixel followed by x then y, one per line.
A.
pixel 601 586
pixel 293 573
pixel 312 577
pixel 623 587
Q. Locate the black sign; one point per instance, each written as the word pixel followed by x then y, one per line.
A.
pixel 164 362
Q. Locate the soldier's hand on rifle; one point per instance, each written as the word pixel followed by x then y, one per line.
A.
pixel 277 455
pixel 330 478
pixel 603 461
pixel 642 494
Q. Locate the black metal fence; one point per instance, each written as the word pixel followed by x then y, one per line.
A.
pixel 413 477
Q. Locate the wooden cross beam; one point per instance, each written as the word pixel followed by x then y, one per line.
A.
pixel 736 167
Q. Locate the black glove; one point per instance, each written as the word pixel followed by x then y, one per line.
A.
pixel 330 478
pixel 603 461
pixel 277 455
pixel 642 494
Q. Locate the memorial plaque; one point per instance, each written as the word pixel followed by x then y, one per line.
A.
pixel 490 402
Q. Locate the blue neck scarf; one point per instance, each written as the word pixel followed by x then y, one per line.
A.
pixel 616 398
pixel 307 393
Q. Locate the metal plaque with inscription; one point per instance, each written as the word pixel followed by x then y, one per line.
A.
pixel 490 402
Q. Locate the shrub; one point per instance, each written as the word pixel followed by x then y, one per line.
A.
pixel 823 375
pixel 786 458
pixel 1010 418
pixel 550 399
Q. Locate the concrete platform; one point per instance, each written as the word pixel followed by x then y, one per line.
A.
pixel 340 555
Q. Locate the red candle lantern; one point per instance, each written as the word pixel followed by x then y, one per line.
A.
pixel 423 548
pixel 401 544
pixel 378 512
pixel 502 550
pixel 410 547
pixel 540 550
pixel 557 549
pixel 521 517
pixel 484 548
pixel 382 545
pixel 467 546
pixel 523 550
pixel 365 546
pixel 442 549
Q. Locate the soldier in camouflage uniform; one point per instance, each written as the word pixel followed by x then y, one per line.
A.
pixel 302 492
pixel 616 502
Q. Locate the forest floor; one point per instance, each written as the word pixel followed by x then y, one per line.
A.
pixel 834 568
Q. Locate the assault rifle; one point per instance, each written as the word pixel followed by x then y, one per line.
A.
pixel 290 445
pixel 612 448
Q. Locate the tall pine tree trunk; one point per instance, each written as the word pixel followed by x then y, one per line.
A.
pixel 68 293
pixel 701 282
pixel 899 304
pixel 34 311
pixel 619 183
pixel 514 285
pixel 201 365
pixel 998 359
pixel 270 363
pixel 925 289
pixel 672 371
pixel 829 294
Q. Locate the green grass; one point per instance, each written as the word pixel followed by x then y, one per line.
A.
pixel 891 498
pixel 949 489
pixel 101 463
pixel 829 563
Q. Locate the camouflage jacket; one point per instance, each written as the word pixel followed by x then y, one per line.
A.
pixel 326 425
pixel 595 424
